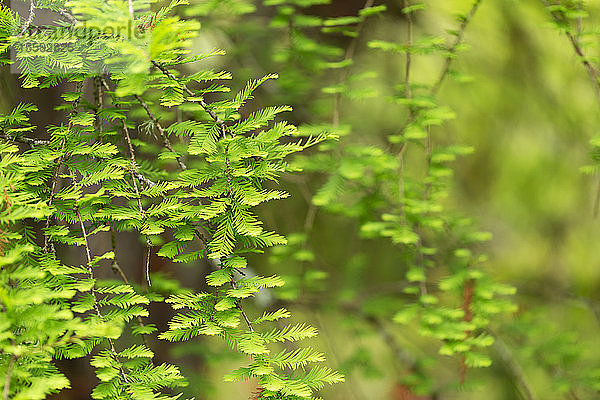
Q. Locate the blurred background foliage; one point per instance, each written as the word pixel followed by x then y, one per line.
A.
pixel 520 97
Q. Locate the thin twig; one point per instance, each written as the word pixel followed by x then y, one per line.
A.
pixel 143 178
pixel 202 103
pixel 99 102
pixel 593 74
pixel 11 364
pixel 454 47
pixel 52 193
pixel 407 95
pixel 24 140
pixel 224 132
pixel 438 84
pixel 350 50
pixel 513 366
pixel 79 88
pixel 161 130
pixel 594 309
pixel 239 306
pixel 134 168
pixel 597 201
pixel 468 292
pixel 443 74
pixel 65 13
pixel 93 290
pixel 591 70
pixel 100 83
pixel 139 200
pixel 352 386
pixel 409 40
pixel 29 18
pixel 210 112
pixel 389 340
pixel 117 269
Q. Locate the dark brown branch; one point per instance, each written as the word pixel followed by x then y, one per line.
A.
pixel 239 306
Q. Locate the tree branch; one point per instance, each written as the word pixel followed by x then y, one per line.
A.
pixel 452 51
pixel 29 19
pixel 139 200
pixel 78 88
pixel 224 132
pixel 348 56
pixel 592 72
pixel 93 291
pixel 118 270
pixel 24 140
pixel 162 132
pixel 513 366
pixel 202 103
pixel 11 364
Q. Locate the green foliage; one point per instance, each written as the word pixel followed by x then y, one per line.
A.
pixel 53 310
pixel 161 140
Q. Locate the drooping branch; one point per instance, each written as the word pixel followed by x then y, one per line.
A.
pixel 224 132
pixel 7 379
pixel 513 366
pixel 592 71
pixel 117 269
pixel 350 50
pixel 138 198
pixel 454 47
pixel 54 181
pixel 93 291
